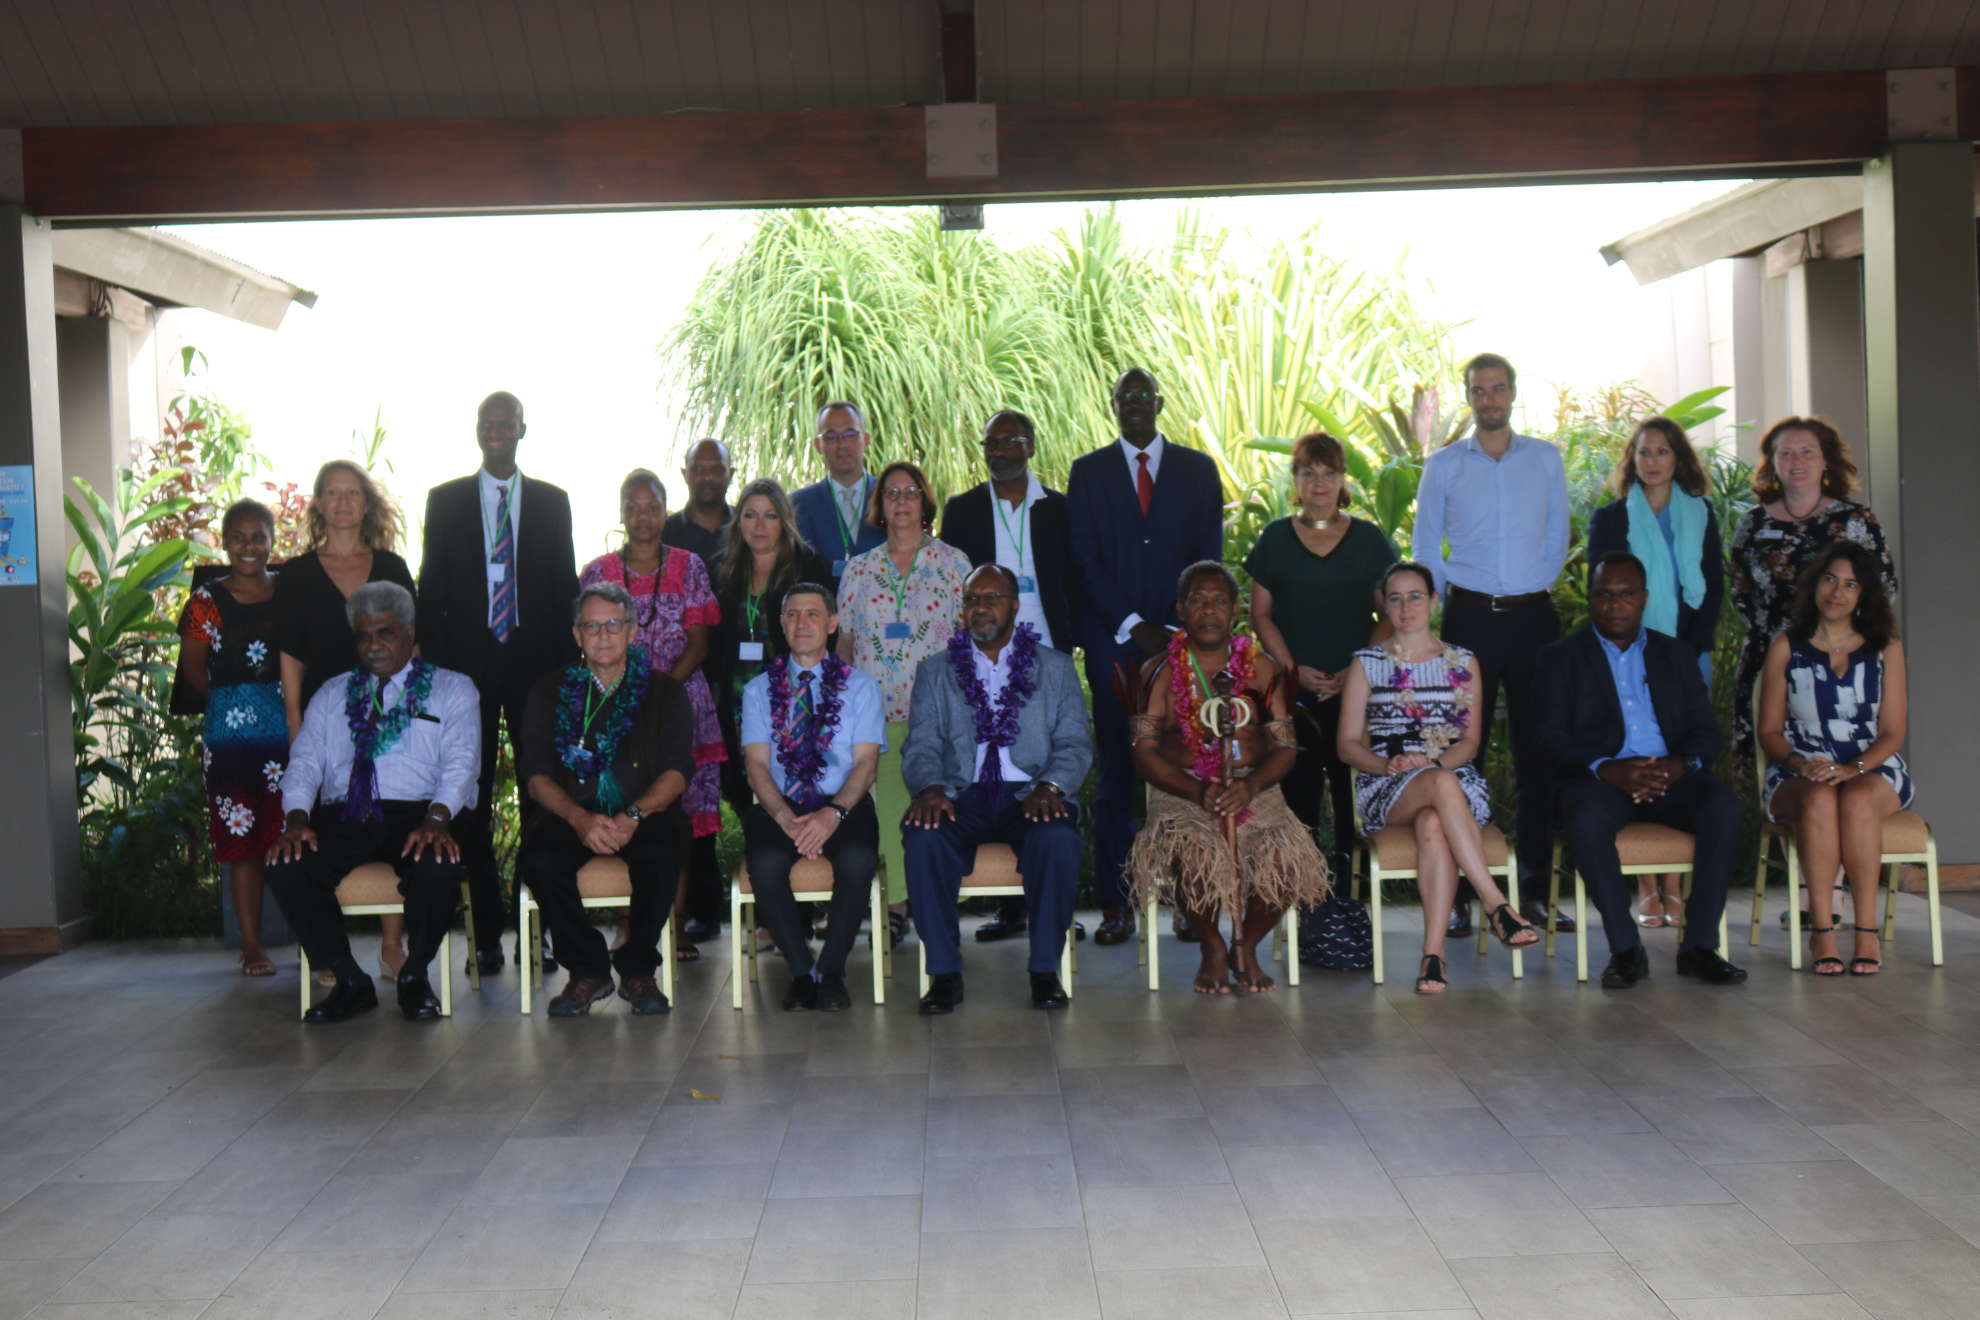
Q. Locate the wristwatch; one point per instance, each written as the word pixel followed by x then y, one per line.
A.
pixel 1046 783
pixel 843 812
pixel 633 813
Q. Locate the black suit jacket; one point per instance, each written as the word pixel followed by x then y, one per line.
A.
pixel 969 524
pixel 1126 564
pixel 1608 530
pixel 453 584
pixel 1581 719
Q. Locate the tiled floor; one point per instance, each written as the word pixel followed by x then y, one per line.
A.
pixel 174 1144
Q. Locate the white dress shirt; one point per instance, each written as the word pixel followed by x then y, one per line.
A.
pixel 1015 540
pixel 437 758
pixel 1133 457
pixel 491 503
pixel 993 678
pixel 852 501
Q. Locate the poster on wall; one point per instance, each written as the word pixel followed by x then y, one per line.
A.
pixel 17 526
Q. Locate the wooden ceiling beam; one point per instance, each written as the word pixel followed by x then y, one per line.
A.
pixel 1553 131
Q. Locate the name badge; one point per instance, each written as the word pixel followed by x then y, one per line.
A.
pixel 497 572
pixel 1027 587
pixel 898 631
pixel 749 651
pixel 1769 534
pixel 838 568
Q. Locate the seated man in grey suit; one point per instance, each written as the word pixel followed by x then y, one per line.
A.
pixel 997 748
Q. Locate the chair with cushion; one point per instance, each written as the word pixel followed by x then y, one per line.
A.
pixel 1644 849
pixel 603 882
pixel 994 874
pixel 373 890
pixel 811 882
pixel 1390 854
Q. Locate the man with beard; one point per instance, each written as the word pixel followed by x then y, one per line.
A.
pixel 1219 836
pixel 1500 501
pixel 1139 511
pixel 387 756
pixel 996 752
pixel 1014 520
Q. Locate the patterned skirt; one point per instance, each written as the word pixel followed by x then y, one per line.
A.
pixel 1180 853
pixel 247 749
pixel 703 799
pixel 1375 795
pixel 1893 770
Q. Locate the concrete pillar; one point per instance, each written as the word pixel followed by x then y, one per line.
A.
pixel 92 356
pixel 41 905
pixel 1750 337
pixel 1825 352
pixel 1921 297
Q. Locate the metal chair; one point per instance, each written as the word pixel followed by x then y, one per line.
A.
pixel 602 882
pixel 1285 943
pixel 373 890
pixel 1644 849
pixel 994 874
pixel 811 882
pixel 1390 854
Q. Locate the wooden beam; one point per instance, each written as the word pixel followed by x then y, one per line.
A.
pixel 958 50
pixel 1554 131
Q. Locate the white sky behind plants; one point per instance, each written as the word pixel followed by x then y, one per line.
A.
pixel 422 317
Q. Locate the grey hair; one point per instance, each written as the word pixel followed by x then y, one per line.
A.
pixel 611 591
pixel 380 598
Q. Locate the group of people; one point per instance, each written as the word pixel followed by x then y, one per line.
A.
pixel 869 685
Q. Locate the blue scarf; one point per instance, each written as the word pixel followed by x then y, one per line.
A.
pixel 1646 541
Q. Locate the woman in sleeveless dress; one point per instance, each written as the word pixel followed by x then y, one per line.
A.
pixel 1832 717
pixel 1408 730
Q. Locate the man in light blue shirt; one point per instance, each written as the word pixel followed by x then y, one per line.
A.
pixel 812 734
pixel 1499 502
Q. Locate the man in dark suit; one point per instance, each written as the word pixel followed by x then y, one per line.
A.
pixel 1628 727
pixel 832 514
pixel 496 581
pixel 1139 512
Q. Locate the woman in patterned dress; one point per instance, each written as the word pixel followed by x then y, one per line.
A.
pixel 1804 477
pixel 1408 729
pixel 1832 717
pixel 898 604
pixel 674 610
pixel 227 653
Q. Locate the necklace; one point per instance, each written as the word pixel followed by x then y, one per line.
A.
pixel 1321 524
pixel 1809 512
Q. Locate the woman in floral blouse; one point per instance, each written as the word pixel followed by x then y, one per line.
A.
pixel 898 604
pixel 227 654
pixel 1805 473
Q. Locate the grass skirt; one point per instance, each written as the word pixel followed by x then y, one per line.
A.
pixel 1180 855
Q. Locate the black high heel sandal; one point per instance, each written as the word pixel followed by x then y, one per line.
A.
pixel 1431 974
pixel 1875 965
pixel 1506 925
pixel 1827 958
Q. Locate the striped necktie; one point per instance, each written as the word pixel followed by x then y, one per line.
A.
pixel 502 606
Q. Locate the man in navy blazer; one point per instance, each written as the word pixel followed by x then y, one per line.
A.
pixel 1139 511
pixel 1627 727
pixel 832 514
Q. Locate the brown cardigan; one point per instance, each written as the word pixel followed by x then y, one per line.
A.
pixel 661 739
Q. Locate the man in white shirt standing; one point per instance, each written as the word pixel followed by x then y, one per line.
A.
pixel 1499 500
pixel 386 758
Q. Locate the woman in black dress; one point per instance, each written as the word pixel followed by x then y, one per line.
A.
pixel 353 527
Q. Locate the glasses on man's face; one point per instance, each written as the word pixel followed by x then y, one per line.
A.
pixel 902 494
pixel 609 627
pixel 1006 441
pixel 986 599
pixel 1135 396
pixel 834 437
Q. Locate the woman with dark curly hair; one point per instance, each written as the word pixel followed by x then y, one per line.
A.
pixel 1802 484
pixel 1832 717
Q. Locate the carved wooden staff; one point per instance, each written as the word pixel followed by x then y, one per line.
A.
pixel 1222 716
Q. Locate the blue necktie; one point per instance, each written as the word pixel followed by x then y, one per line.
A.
pixel 502 608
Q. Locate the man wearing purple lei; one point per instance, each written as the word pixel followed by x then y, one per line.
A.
pixel 606 750
pixel 386 757
pixel 813 729
pixel 997 749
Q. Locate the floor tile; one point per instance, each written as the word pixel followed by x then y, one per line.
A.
pixel 890 1299
pixel 1591 1287
pixel 835 1239
pixel 172 1257
pixel 1919 1159
pixel 310 1285
pixel 1708 1251
pixel 538 1305
pixel 1278 1116
pixel 1112 1151
pixel 1014 1192
pixel 1499 1214
pixel 1314 1183
pixel 1419 1143
pixel 1751 1131
pixel 1342 1267
pixel 1832 1306
pixel 498 1246
pixel 66 1218
pixel 1908 1280
pixel 1618 1169
pixel 25 1284
pixel 1389 1084
pixel 1229 1294
pixel 374 1212
pixel 1151 1091
pixel 1138 1228
pixel 995 1126
pixel 1828 1201
pixel 682 1280
pixel 687 1203
pixel 1006 1276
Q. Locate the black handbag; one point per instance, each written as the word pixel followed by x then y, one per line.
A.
pixel 1337 934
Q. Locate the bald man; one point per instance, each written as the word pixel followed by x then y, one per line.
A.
pixel 496 583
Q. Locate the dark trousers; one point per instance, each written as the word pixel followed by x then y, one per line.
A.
pixel 307 887
pixel 1320 769
pixel 503 694
pixel 939 858
pixel 1507 644
pixel 707 896
pixel 854 852
pixel 548 863
pixel 1114 794
pixel 1591 812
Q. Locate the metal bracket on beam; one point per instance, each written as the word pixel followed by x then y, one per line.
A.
pixel 1921 105
pixel 13 180
pixel 962 140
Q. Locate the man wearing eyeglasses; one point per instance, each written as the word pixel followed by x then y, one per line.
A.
pixel 997 749
pixel 1140 511
pixel 1013 519
pixel 606 751
pixel 832 514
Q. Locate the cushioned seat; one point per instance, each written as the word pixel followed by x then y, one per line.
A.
pixel 1644 844
pixel 1641 849
pixel 1395 847
pixel 811 875
pixel 601 882
pixel 1906 832
pixel 604 877
pixel 375 884
pixel 811 882
pixel 1390 854
pixel 996 864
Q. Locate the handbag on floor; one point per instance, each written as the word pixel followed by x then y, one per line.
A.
pixel 1336 934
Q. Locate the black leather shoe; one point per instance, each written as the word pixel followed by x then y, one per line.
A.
pixel 1079 931
pixel 1535 912
pixel 833 997
pixel 643 993
pixel 1116 927
pixel 1046 992
pixel 1625 969
pixel 343 1002
pixel 802 997
pixel 487 957
pixel 579 994
pixel 1459 925
pixel 1709 967
pixel 999 928
pixel 700 931
pixel 417 1001
pixel 945 991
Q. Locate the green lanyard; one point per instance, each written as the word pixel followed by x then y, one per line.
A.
pixel 898 583
pixel 1208 691
pixel 1024 513
pixel 846 533
pixel 590 714
pixel 750 608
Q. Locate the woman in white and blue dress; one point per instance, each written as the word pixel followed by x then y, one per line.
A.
pixel 1832 717
pixel 1408 730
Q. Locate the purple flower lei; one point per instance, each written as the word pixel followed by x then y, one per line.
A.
pixel 999 727
pixel 375 732
pixel 804 763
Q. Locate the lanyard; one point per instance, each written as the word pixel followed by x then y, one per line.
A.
pixel 590 714
pixel 1024 514
pixel 378 696
pixel 750 608
pixel 514 485
pixel 899 583
pixel 846 533
pixel 1208 691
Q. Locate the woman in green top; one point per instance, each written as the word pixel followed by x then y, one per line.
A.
pixel 1313 579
